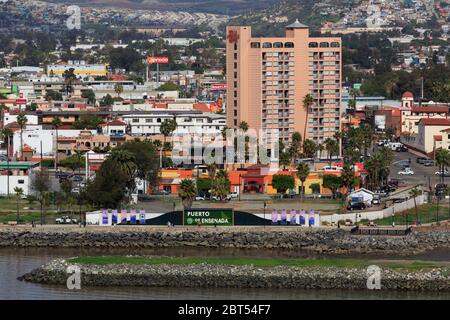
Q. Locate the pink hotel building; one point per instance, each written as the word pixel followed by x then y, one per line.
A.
pixel 268 78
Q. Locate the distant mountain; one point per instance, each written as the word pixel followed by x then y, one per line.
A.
pixel 310 12
pixel 227 7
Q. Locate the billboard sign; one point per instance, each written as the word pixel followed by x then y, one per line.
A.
pixel 208 217
pixel 157 60
pixel 218 87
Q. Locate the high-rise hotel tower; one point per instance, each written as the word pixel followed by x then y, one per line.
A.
pixel 268 78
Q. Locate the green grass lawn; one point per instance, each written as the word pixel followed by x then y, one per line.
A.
pixel 263 263
pixel 426 213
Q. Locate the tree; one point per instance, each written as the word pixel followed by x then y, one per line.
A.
pixel 283 182
pixel 107 101
pixel 414 193
pixel 243 126
pixel 3 108
pixel 41 184
pixel 378 167
pixel 203 185
pixel 145 160
pixel 167 127
pixel 127 161
pixel 349 179
pixel 221 185
pixel 56 123
pixel 19 194
pixel 308 102
pixel 332 148
pixel 87 121
pixel 21 121
pixel 52 95
pixel 332 182
pixel 315 188
pixel 295 147
pixel 74 162
pixel 310 148
pixel 89 95
pixel 187 192
pixel 302 174
pixel 118 88
pixel 442 157
pixel 169 86
pixel 109 187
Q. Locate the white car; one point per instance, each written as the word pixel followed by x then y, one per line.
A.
pixel 199 198
pixel 406 172
pixel 234 195
pixel 65 220
pixel 438 173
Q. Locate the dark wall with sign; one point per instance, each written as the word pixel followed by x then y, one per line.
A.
pixel 240 219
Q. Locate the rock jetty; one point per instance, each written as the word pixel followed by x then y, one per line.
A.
pixel 243 276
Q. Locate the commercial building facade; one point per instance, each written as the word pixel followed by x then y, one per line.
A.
pixel 268 78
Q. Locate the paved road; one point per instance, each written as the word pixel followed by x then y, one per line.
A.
pixel 422 175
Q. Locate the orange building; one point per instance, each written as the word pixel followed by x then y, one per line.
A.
pixel 268 78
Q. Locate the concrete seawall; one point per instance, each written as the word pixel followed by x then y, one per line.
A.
pixel 204 275
pixel 314 240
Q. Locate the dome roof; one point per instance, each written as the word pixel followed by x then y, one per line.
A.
pixel 408 94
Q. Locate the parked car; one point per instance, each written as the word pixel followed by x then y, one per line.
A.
pixel 61 174
pixel 402 148
pixel 199 198
pixel 65 220
pixel 76 190
pixel 234 195
pixel 428 163
pixel 406 172
pixel 356 206
pixel 376 200
pixel 382 143
pixel 439 173
pixel 421 160
pixel 77 179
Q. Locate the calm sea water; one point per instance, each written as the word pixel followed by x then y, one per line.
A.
pixel 16 262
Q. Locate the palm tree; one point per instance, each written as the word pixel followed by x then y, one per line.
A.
pixel 21 121
pixel 332 148
pixel 212 169
pixel 243 126
pixel 125 159
pixel 414 193
pixel 167 127
pixel 308 101
pixel 56 123
pixel 187 192
pixel 118 88
pixel 302 174
pixel 19 194
pixel 7 134
pixel 3 108
pixel 442 157
pixel 221 185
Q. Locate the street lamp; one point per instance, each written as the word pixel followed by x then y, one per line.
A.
pixel 173 206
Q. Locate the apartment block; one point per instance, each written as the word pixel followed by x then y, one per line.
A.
pixel 268 78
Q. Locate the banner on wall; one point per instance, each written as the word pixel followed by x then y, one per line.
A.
pixel 283 216
pixel 293 217
pixel 311 218
pixel 105 216
pixel 142 217
pixel 114 217
pixel 274 216
pixel 123 217
pixel 302 218
pixel 133 217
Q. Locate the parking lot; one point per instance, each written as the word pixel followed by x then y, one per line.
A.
pixel 422 174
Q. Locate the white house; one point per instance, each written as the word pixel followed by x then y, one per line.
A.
pixel 362 195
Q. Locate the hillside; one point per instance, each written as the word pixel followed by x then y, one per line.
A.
pixel 310 12
pixel 227 7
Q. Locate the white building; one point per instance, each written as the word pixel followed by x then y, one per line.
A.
pixel 32 119
pixel 33 135
pixel 187 123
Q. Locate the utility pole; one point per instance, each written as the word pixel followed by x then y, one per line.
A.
pixel 7 164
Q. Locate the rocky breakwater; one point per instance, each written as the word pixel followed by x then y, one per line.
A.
pixel 314 240
pixel 243 276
